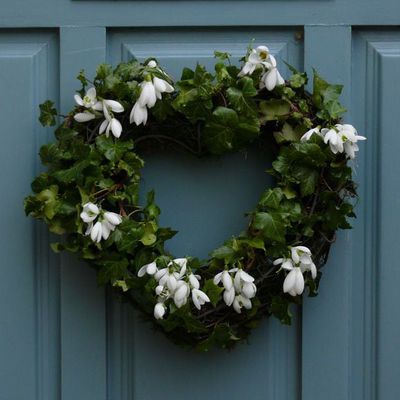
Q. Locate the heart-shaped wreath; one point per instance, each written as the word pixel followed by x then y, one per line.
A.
pixel 90 192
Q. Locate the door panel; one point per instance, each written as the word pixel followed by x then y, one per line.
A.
pixel 205 200
pixel 29 332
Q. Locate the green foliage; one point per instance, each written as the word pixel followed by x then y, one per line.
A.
pixel 209 113
pixel 47 113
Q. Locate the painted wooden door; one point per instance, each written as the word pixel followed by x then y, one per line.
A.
pixel 62 338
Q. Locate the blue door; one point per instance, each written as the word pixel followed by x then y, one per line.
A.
pixel 63 338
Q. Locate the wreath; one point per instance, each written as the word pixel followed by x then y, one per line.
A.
pixel 90 191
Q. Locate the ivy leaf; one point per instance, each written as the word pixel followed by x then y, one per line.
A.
pixel 240 97
pixel 274 109
pixel 112 149
pixel 219 131
pixel 271 198
pixel 47 113
pixel 271 225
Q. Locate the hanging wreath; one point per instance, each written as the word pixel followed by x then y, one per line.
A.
pixel 90 192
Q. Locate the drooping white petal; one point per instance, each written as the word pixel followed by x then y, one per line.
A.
pixel 217 278
pixel 160 273
pixel 78 100
pixel 159 310
pixel 96 232
pixel 147 96
pixel 103 126
pixel 112 217
pixel 229 296
pixel 116 127
pixel 115 106
pixel 299 281
pixel 138 114
pixel 236 305
pixel 194 281
pixel 227 280
pixel 289 282
pixel 84 116
pixel 249 290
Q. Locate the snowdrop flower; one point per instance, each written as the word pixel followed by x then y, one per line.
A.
pixel 181 293
pixel 148 96
pixel 314 131
pixel 138 114
pixel 88 101
pixel 84 116
pixel 161 86
pixel 301 254
pixel 350 138
pixel 110 123
pixel 149 269
pixel 176 283
pixel 106 223
pixel 159 310
pixel 241 301
pixel 332 137
pixel 271 78
pixel 238 290
pixel 299 263
pixel 96 232
pixel 199 298
pixel 342 138
pixel 257 57
pixel 89 213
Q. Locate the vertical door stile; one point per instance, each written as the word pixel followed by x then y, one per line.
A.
pixel 326 329
pixel 83 317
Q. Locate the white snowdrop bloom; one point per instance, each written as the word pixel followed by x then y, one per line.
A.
pixel 159 310
pixel 241 301
pixel 350 138
pixel 257 57
pixel 249 290
pixel 96 232
pixel 242 277
pixel 152 64
pixel 106 223
pixel 294 282
pixel 84 116
pixel 111 123
pixel 301 254
pixel 199 298
pixel 314 131
pixel 148 96
pixel 181 294
pixel 194 281
pixel 225 278
pixel 299 262
pixel 161 86
pixel 332 137
pixel 271 79
pixel 89 101
pixel 138 114
pixel 238 290
pixel 149 269
pixel 229 296
pixel 90 212
pixel 112 217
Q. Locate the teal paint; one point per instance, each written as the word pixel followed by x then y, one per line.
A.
pixel 62 338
